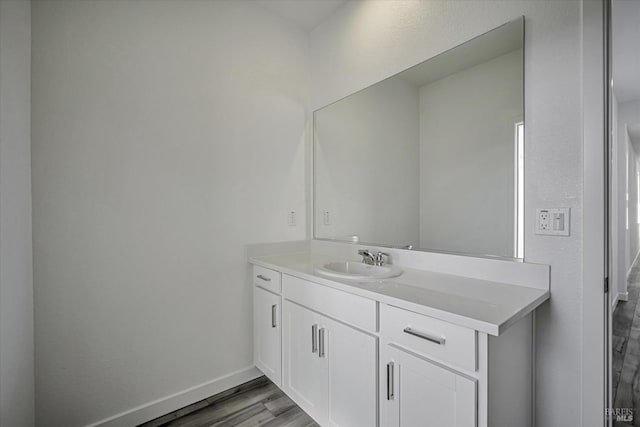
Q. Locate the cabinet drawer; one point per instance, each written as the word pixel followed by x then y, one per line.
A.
pixel 430 337
pixel 353 309
pixel 266 278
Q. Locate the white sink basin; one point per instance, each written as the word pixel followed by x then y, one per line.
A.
pixel 358 270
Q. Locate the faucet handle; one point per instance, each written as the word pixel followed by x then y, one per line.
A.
pixel 380 257
pixel 367 256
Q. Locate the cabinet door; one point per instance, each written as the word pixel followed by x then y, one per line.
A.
pixel 305 377
pixel 267 349
pixel 416 392
pixel 352 359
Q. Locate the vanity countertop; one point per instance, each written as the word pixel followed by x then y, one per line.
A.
pixel 485 306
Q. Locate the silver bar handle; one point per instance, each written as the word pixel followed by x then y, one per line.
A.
pixel 390 394
pixel 273 316
pixel 424 336
pixel 265 278
pixel 314 341
pixel 321 350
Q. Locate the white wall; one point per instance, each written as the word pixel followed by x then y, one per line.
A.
pixel 467 158
pixel 630 115
pixel 633 231
pixel 367 41
pixel 16 284
pixel 166 136
pixel 367 164
pixel 624 198
pixel 619 186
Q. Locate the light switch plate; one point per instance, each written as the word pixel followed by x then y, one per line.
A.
pixel 326 217
pixel 553 221
pixel 291 218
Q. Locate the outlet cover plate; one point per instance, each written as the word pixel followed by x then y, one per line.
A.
pixel 553 221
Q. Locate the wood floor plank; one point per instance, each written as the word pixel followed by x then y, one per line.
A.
pixel 627 392
pixel 242 388
pixel 220 410
pixel 158 422
pixel 626 350
pixel 280 405
pixel 252 416
pixel 624 394
pixel 255 404
pixel 618 351
pixel 623 319
pixel 294 417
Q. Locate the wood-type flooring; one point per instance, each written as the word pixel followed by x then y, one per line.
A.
pixel 626 352
pixel 256 403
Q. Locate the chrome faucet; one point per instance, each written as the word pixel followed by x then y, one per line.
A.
pixel 369 258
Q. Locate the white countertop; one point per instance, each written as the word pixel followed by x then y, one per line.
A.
pixel 485 306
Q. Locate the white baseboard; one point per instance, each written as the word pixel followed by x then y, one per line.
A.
pixel 635 259
pixel 620 296
pixel 160 407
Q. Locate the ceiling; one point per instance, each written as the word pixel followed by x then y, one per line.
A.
pixel 306 14
pixel 497 42
pixel 626 49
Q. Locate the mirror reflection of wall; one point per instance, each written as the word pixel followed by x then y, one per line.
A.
pixel 428 157
pixel 367 159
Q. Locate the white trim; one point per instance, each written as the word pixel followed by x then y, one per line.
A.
pixel 614 303
pixel 165 405
pixel 593 381
pixel 518 224
pixel 620 296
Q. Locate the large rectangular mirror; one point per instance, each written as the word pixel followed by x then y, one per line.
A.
pixel 431 157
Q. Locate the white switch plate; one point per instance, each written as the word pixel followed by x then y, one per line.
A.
pixel 326 217
pixel 291 218
pixel 553 221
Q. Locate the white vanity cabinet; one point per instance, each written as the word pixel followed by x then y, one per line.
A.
pixel 330 368
pixel 418 392
pixel 352 356
pixel 437 374
pixel 267 325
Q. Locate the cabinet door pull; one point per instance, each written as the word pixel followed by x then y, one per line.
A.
pixel 273 316
pixel 314 338
pixel 390 395
pixel 321 350
pixel 431 338
pixel 265 278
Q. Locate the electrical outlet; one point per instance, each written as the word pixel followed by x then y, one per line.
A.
pixel 553 221
pixel 291 218
pixel 543 219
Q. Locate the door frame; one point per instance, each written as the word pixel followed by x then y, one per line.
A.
pixel 596 301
